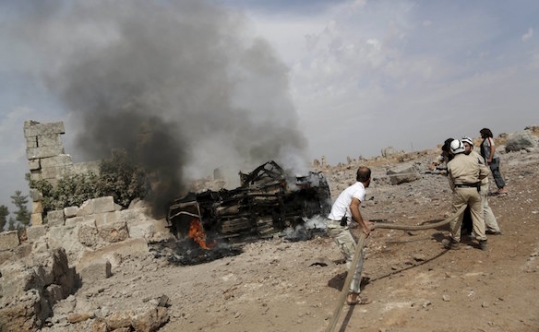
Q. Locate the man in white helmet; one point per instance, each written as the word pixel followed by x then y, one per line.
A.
pixel 465 173
pixel 491 223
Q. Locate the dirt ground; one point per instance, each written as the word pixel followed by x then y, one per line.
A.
pixel 415 284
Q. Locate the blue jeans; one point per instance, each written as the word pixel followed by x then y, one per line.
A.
pixel 495 169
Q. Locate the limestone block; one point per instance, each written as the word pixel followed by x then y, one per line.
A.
pixel 87 234
pixel 403 174
pixel 33 128
pixel 31 142
pixel 150 319
pixel 35 232
pixel 74 221
pixel 132 247
pixel 49 140
pixel 66 237
pixel 86 209
pixel 8 240
pixel 37 207
pixel 36 219
pixel 34 164
pixel 35 175
pixel 56 161
pixel 104 204
pixel 96 271
pixel 44 152
pixel 71 211
pixel 56 172
pixel 55 218
pixel 91 218
pixel 36 195
pixel 119 319
pixel 106 218
pixel 114 232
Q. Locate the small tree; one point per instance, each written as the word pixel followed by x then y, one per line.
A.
pixel 4 212
pixel 22 215
pixel 11 226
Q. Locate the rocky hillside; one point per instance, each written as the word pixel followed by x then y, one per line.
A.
pixel 277 285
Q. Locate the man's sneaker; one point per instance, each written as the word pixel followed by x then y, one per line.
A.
pixel 451 244
pixel 489 232
pixel 483 245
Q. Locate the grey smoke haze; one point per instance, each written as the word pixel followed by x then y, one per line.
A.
pixel 184 75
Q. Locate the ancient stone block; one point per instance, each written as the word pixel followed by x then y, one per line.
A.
pixel 96 271
pixel 8 240
pixel 31 142
pixel 102 219
pixel 35 175
pixel 119 319
pixel 36 219
pixel 56 161
pixel 34 128
pixel 114 232
pixel 74 221
pixel 37 207
pixel 34 164
pixel 86 209
pixel 55 218
pixel 35 232
pixel 71 211
pixel 49 140
pixel 132 247
pixel 44 152
pixel 87 234
pixel 104 204
pixel 150 319
pixel 56 172
pixel 66 237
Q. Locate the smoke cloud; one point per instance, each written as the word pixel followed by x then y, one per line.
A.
pixel 179 84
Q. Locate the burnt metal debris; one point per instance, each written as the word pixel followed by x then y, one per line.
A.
pixel 267 202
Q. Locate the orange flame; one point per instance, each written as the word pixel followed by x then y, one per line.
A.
pixel 197 234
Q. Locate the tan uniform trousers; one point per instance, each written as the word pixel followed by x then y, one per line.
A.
pixel 344 239
pixel 470 197
pixel 490 219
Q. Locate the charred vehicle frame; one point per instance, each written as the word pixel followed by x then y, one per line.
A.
pixel 267 202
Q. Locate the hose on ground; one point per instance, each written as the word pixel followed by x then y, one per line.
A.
pixel 359 251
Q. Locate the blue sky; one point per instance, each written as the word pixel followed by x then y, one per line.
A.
pixel 362 75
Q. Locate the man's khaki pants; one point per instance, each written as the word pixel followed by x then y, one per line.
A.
pixel 344 239
pixel 470 197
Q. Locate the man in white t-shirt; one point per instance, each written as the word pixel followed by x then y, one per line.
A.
pixel 344 211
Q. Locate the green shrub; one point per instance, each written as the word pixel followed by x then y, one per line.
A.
pixel 119 177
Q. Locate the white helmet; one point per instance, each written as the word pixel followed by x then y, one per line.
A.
pixel 456 146
pixel 466 139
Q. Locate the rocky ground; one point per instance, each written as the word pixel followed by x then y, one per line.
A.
pixel 415 284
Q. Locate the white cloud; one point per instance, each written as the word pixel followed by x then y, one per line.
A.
pixel 371 72
pixel 528 35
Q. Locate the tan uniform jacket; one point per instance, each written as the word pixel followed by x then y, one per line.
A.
pixel 481 161
pixel 465 169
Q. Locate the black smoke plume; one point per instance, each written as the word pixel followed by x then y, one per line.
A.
pixel 180 85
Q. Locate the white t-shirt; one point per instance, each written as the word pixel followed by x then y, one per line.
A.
pixel 341 207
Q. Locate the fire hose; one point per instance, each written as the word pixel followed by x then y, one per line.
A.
pixel 359 252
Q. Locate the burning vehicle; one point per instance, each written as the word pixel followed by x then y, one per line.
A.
pixel 267 202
